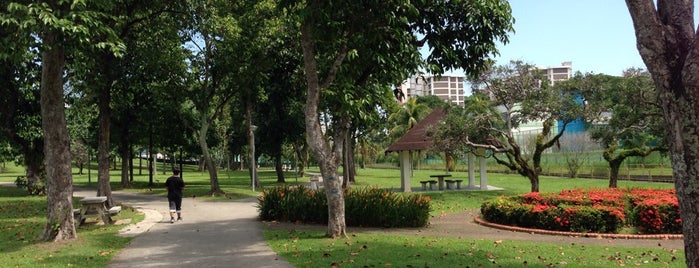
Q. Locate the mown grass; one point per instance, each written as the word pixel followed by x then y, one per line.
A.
pixel 22 218
pixel 311 249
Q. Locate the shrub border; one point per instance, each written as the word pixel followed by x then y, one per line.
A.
pixel 483 222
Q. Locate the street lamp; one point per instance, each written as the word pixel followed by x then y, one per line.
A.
pixel 253 163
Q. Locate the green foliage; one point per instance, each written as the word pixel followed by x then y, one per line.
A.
pixel 377 207
pixel 366 207
pixel 36 188
pixel 293 204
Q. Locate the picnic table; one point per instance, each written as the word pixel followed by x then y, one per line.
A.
pixel 95 206
pixel 440 178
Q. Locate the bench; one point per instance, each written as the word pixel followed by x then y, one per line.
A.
pixel 458 184
pixel 432 184
pixel 95 206
pixel 424 185
pixel 450 184
pixel 314 181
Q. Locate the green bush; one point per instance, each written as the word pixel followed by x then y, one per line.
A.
pixel 367 207
pixel 293 204
pixel 36 188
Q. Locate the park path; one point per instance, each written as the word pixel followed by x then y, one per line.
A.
pixel 212 234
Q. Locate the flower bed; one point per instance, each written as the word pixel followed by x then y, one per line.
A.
pixel 607 210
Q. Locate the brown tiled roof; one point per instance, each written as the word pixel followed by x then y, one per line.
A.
pixel 416 138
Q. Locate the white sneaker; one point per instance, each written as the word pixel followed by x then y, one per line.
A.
pixel 179 218
pixel 172 220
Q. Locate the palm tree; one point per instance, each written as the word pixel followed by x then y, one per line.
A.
pixel 407 117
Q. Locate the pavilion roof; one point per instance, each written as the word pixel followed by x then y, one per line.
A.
pixel 416 138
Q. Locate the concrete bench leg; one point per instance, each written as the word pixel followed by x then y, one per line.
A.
pixel 432 184
pixel 450 184
pixel 424 185
pixel 458 184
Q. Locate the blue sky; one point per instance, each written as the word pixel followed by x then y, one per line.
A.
pixel 596 35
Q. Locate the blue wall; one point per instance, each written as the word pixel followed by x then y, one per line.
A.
pixel 576 126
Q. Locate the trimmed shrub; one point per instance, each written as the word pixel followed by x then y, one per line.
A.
pixel 589 210
pixel 367 207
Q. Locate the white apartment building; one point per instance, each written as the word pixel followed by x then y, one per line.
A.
pixel 558 73
pixel 449 88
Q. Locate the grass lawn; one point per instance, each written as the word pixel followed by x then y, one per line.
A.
pixel 22 218
pixel 311 249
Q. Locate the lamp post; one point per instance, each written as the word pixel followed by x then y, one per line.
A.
pixel 253 162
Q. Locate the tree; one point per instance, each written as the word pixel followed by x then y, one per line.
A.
pixel 20 117
pixel 280 112
pixel 207 91
pixel 667 41
pixel 522 96
pixel 60 25
pixel 334 34
pixel 626 119
pixel 407 116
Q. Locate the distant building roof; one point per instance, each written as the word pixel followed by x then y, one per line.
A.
pixel 416 138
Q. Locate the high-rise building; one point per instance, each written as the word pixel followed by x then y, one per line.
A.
pixel 449 88
pixel 558 73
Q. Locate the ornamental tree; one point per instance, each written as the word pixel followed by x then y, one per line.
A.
pixel 624 116
pixel 506 98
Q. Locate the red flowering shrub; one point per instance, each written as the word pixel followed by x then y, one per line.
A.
pixel 658 216
pixel 589 210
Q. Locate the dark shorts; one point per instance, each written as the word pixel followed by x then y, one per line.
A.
pixel 175 204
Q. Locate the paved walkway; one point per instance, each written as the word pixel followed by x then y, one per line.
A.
pixel 212 234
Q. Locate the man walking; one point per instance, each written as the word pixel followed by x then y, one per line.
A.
pixel 175 185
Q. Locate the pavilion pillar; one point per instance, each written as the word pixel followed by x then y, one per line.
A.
pixel 484 174
pixel 405 171
pixel 471 171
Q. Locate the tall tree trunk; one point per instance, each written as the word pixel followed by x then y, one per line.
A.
pixel 327 157
pixel 449 161
pixel 125 168
pixel 251 141
pixel 131 155
pixel 206 155
pixel 105 111
pixel 669 46
pixel 59 181
pixel 151 156
pixel 34 160
pixel 278 168
pixel 301 157
pixel 351 162
pixel 346 163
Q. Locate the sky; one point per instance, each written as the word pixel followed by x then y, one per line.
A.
pixel 595 35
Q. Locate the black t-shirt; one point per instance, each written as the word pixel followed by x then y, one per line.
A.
pixel 174 187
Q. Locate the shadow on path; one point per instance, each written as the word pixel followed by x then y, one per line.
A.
pixel 212 234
